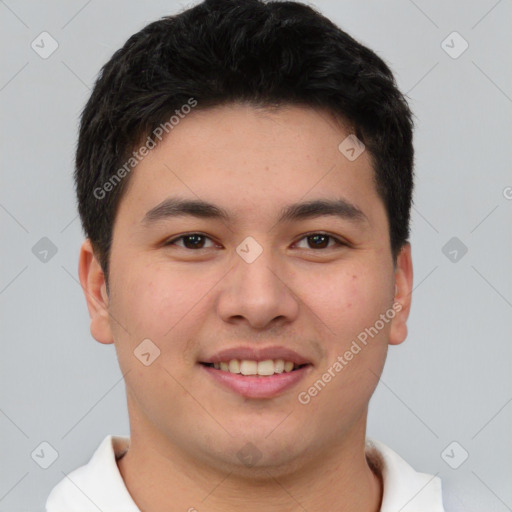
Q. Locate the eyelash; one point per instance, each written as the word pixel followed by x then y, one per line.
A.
pixel 337 241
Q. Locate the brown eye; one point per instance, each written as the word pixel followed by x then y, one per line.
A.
pixel 190 241
pixel 321 241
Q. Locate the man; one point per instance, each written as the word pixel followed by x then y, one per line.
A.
pixel 244 174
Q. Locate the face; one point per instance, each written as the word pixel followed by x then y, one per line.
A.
pixel 311 289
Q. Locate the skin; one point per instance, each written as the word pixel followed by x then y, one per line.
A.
pixel 186 430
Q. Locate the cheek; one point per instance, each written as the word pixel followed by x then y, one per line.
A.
pixel 346 301
pixel 152 300
pixel 350 304
pixel 157 305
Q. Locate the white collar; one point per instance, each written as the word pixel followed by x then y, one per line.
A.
pixel 98 485
pixel 405 489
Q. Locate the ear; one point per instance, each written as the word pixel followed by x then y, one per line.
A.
pixel 403 295
pixel 94 286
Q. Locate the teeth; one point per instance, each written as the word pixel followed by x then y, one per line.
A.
pixel 248 367
pixel 262 368
pixel 288 366
pixel 279 366
pixel 266 367
pixel 234 366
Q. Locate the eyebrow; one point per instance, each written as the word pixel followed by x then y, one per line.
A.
pixel 178 207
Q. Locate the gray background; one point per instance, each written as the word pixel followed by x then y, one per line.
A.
pixel 451 379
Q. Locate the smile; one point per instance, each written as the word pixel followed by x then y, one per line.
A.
pixel 250 378
pixel 248 367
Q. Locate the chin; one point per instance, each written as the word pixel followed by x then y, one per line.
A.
pixel 259 452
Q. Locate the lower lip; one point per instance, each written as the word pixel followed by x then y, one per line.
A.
pixel 254 386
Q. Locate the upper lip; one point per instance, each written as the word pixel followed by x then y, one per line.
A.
pixel 257 354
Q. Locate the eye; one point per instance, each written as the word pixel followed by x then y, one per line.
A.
pixel 316 240
pixel 321 241
pixel 190 241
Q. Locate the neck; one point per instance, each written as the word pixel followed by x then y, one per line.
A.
pixel 159 475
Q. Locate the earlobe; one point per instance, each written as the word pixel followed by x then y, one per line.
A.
pixel 93 284
pixel 403 296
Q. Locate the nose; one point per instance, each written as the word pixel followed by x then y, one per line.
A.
pixel 259 293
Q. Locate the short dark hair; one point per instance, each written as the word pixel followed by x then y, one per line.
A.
pixel 219 52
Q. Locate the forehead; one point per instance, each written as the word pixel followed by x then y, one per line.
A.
pixel 248 160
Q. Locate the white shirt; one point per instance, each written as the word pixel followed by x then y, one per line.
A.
pixel 98 485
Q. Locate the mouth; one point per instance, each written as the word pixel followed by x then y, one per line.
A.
pixel 247 367
pixel 257 374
